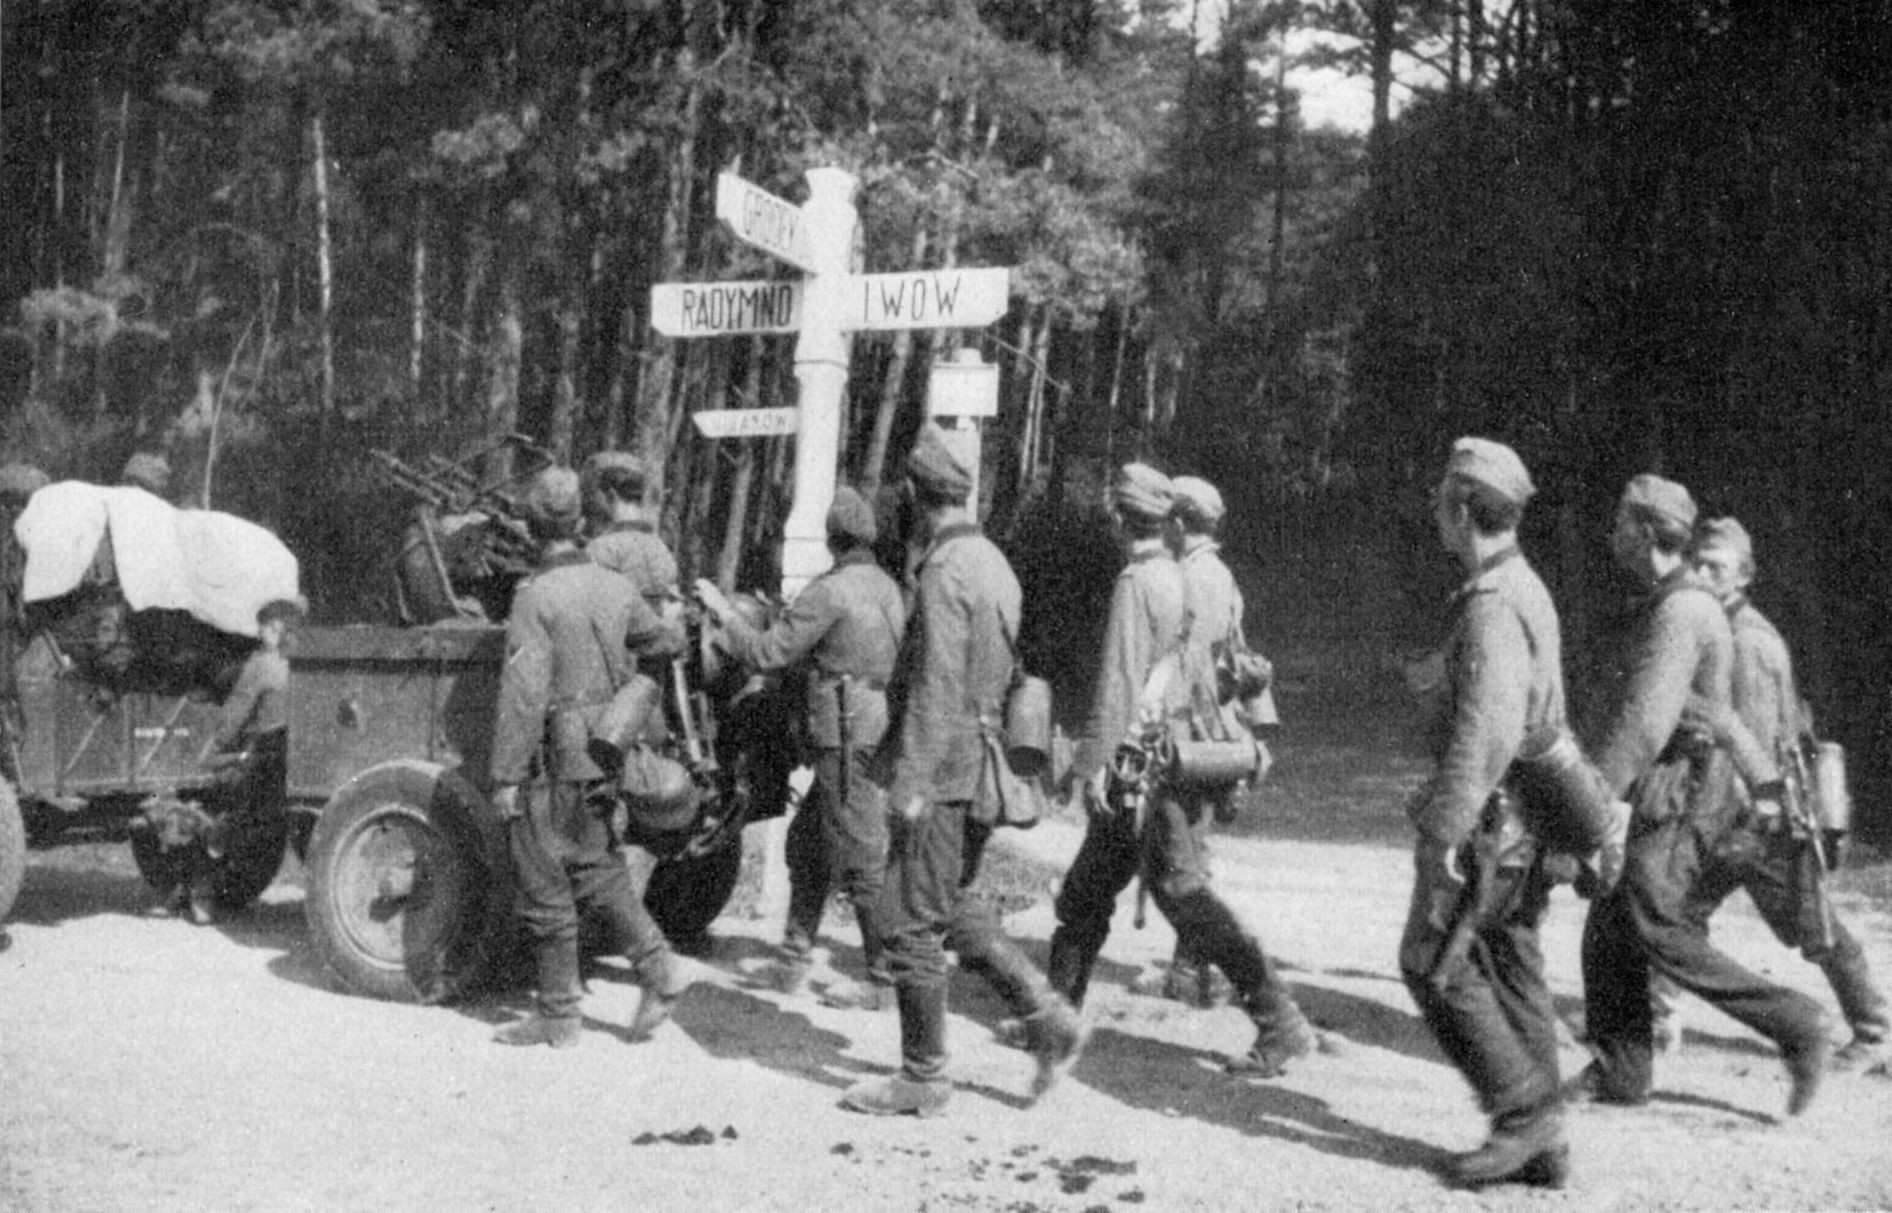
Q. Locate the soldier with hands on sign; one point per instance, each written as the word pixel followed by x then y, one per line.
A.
pixel 950 683
pixel 1662 728
pixel 1146 829
pixel 1477 870
pixel 845 629
pixel 575 631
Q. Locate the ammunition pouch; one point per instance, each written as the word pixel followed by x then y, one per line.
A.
pixel 1007 796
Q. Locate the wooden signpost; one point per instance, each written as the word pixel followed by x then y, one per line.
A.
pixel 824 309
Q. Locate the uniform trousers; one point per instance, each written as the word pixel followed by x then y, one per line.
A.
pixel 1172 853
pixel 1647 926
pixel 930 905
pixel 1493 1017
pixel 564 866
pixel 1769 868
pixel 838 840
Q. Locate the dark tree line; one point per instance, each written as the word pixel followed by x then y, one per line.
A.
pixel 264 236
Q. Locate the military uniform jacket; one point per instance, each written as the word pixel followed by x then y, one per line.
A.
pixel 258 704
pixel 1765 699
pixel 1669 673
pixel 571 639
pixel 633 549
pixel 955 664
pixel 1147 620
pixel 847 623
pixel 1504 681
pixel 1213 600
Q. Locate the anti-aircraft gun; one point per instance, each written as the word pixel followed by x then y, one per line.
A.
pixel 467 545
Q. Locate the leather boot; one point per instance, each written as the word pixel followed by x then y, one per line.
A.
pixel 920 1088
pixel 1806 1066
pixel 1055 1036
pixel 1282 1035
pixel 1530 1150
pixel 554 1021
pixel 1069 967
pixel 662 982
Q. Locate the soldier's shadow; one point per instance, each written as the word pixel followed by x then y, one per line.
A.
pixel 1172 1079
pixel 735 1025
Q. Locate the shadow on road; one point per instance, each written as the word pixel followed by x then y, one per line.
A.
pixel 51 895
pixel 1174 1080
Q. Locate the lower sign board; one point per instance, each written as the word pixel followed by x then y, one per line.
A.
pixel 709 309
pixel 744 423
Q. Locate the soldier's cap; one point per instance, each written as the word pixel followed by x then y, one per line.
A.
pixel 851 517
pixel 552 497
pixel 1725 533
pixel 1661 497
pixel 1494 465
pixel 289 610
pixel 21 480
pixel 616 461
pixel 936 471
pixel 1140 489
pixel 1194 495
pixel 148 471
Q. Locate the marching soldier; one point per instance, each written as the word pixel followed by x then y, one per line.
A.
pixel 1214 603
pixel 1765 860
pixel 1660 739
pixel 626 540
pixel 571 639
pixel 1488 1005
pixel 846 628
pixel 1147 625
pixel 950 681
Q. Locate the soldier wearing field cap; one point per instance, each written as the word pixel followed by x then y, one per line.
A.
pixel 1161 842
pixel 844 630
pixel 624 537
pixel 1214 603
pixel 1485 1000
pixel 949 684
pixel 1760 853
pixel 573 636
pixel 1662 729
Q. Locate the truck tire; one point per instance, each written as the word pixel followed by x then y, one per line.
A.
pixel 12 847
pixel 686 895
pixel 408 884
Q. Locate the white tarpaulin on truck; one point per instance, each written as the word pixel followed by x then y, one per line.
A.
pixel 218 567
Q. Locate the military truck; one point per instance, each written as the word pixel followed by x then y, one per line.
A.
pixel 389 734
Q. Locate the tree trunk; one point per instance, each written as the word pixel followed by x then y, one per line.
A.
pixel 417 310
pixel 655 405
pixel 324 268
pixel 505 355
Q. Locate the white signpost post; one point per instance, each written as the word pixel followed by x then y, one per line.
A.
pixel 824 309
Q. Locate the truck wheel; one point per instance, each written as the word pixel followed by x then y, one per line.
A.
pixel 686 895
pixel 12 847
pixel 408 885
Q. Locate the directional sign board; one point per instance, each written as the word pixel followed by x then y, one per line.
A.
pixel 710 309
pixel 926 299
pixel 760 218
pixel 744 423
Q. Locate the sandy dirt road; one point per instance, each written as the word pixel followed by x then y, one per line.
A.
pixel 151 1065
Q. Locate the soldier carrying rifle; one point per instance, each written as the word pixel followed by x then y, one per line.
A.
pixel 1470 953
pixel 1774 847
